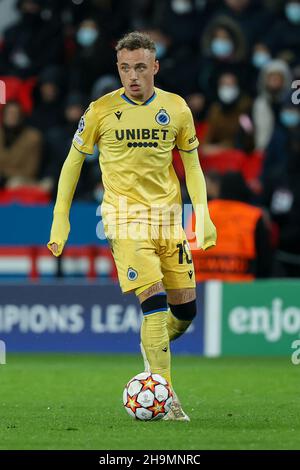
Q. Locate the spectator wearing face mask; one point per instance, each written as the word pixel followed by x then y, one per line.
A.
pixel 177 65
pixel 223 49
pixel 281 170
pixel 183 19
pixel 260 57
pixel 94 57
pixel 284 38
pixel 229 124
pixel 58 142
pixel 274 83
pixel 163 42
pixel 250 15
pixel 20 148
pixel 281 175
pixel 31 44
pixel 47 110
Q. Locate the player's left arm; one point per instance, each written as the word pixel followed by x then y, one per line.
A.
pixel 187 144
pixel 206 234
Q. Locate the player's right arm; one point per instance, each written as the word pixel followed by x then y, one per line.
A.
pixel 66 187
pixel 83 143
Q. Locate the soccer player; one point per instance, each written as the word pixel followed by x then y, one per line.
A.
pixel 136 127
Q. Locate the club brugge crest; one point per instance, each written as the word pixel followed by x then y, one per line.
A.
pixel 162 117
pixel 132 274
pixel 81 125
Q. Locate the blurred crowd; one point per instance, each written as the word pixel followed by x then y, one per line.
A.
pixel 234 61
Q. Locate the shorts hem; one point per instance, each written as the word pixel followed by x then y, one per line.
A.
pixel 181 286
pixel 128 289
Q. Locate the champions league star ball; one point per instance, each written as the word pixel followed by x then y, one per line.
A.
pixel 147 397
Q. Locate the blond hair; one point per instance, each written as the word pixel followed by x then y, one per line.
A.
pixel 136 40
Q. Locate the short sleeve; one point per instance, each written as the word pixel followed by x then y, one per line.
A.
pixel 186 138
pixel 86 135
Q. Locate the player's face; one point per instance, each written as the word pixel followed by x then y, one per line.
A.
pixel 137 69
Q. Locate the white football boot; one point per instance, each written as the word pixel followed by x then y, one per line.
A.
pixel 146 363
pixel 176 412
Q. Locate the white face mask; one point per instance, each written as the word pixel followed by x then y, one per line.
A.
pixel 228 93
pixel 181 7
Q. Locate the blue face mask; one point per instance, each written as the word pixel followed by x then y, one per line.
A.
pixel 290 118
pixel 87 36
pixel 181 7
pixel 260 58
pixel 221 47
pixel 160 50
pixel 292 11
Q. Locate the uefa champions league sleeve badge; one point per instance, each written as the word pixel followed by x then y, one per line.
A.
pixel 81 125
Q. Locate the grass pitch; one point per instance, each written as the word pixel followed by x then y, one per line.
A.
pixel 75 402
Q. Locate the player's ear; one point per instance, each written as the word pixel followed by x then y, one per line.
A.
pixel 117 57
pixel 156 66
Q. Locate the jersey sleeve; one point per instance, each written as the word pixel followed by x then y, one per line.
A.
pixel 186 138
pixel 87 134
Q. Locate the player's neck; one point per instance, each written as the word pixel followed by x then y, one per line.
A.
pixel 141 98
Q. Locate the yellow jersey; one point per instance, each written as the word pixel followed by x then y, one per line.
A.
pixel 135 142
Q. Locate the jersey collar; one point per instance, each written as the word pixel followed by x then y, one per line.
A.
pixel 138 103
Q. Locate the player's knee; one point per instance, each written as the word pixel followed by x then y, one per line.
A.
pixel 155 304
pixel 149 290
pixel 185 312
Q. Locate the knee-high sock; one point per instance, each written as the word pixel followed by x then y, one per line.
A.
pixel 176 327
pixel 155 340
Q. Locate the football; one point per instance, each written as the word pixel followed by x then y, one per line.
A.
pixel 147 397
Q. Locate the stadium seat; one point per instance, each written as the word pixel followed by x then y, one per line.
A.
pixel 36 262
pixel 19 90
pixel 226 160
pixel 24 195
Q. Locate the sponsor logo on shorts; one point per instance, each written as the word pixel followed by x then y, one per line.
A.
pixel 132 274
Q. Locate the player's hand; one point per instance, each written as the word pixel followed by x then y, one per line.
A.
pixel 55 248
pixel 207 239
pixel 210 235
pixel 59 233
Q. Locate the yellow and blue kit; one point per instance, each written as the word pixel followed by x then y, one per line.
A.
pixel 135 141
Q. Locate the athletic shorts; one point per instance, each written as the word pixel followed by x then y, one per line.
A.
pixel 146 254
